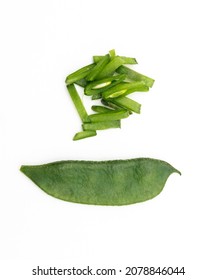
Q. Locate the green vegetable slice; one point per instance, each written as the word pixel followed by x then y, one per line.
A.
pixel 82 83
pixel 110 104
pixel 135 76
pixel 127 103
pixel 96 96
pixel 112 54
pixel 109 116
pixel 110 68
pixel 102 125
pixel 101 85
pixel 125 88
pixel 78 103
pixel 79 74
pixel 127 60
pixel 118 182
pixel 98 68
pixel 84 134
pixel 101 109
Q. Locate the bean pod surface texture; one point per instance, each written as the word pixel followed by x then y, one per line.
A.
pixel 113 182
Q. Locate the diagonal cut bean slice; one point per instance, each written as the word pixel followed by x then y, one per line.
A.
pixel 96 96
pixel 109 116
pixel 110 104
pixel 105 82
pixel 112 54
pixel 84 134
pixel 78 103
pixel 98 68
pixel 114 82
pixel 102 125
pixel 125 88
pixel 101 85
pixel 127 60
pixel 82 83
pixel 127 103
pixel 100 109
pixel 135 76
pixel 110 68
pixel 79 74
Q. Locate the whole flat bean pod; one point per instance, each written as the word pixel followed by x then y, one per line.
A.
pixel 118 182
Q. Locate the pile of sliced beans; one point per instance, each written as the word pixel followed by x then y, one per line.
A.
pixel 110 81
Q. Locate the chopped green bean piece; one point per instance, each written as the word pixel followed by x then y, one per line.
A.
pixel 100 109
pixel 124 88
pixel 109 116
pixel 82 83
pixel 101 85
pixel 127 60
pixel 127 103
pixel 112 54
pixel 98 68
pixel 78 103
pixel 102 125
pixel 79 74
pixel 84 134
pixel 110 104
pixel 135 76
pixel 96 96
pixel 110 68
pixel 97 58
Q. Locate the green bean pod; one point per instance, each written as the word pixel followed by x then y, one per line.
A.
pixel 117 182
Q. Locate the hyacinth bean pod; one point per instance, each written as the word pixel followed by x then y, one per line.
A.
pixel 114 182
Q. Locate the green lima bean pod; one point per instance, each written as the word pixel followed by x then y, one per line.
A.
pixel 113 182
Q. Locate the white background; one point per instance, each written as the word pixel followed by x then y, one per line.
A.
pixel 174 43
